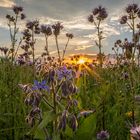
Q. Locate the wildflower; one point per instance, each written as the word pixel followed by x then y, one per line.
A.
pixel 25 88
pixel 135 132
pixel 23 16
pixel 46 29
pixel 90 18
pixel 123 20
pixel 56 28
pixel 85 113
pixel 138 14
pixel 73 122
pixel 40 85
pixel 69 35
pixel 63 121
pixel 103 135
pixel 68 88
pixel 17 9
pixel 30 120
pixel 129 114
pixel 95 11
pixel 132 8
pixel 125 75
pixel 29 25
pixel 63 72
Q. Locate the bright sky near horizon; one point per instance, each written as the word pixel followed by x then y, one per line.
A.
pixel 73 15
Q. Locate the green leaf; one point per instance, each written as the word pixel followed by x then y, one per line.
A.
pixel 47 117
pixel 56 137
pixel 87 129
pixel 69 132
pixel 40 134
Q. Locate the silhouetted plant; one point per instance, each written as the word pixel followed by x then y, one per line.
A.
pixel 56 31
pixel 69 36
pixel 47 31
pixel 29 36
pixel 12 23
pixel 97 16
pixel 132 14
pixel 126 47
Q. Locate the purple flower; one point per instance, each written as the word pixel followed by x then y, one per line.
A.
pixel 135 132
pixel 123 20
pixel 64 73
pixel 46 29
pixel 40 85
pixel 85 113
pixel 23 16
pixel 63 121
pixel 73 122
pixel 69 35
pixel 103 135
pixel 17 9
pixel 57 28
pixel 132 8
pixel 90 18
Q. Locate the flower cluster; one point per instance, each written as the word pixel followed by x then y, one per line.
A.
pixel 69 35
pixel 135 132
pixel 33 99
pixel 100 13
pixel 57 28
pixel 4 50
pixel 132 11
pixel 18 10
pixel 33 25
pixel 46 29
pixel 103 135
pixel 69 119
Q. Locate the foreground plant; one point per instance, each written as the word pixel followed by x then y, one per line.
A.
pixel 57 91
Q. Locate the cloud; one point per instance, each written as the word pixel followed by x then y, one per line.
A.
pixel 84 47
pixel 6 3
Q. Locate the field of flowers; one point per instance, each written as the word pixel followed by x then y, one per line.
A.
pixel 47 98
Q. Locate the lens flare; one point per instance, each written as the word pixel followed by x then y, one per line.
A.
pixel 81 61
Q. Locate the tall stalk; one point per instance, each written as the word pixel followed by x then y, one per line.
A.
pixel 98 15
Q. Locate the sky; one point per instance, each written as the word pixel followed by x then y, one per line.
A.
pixel 73 15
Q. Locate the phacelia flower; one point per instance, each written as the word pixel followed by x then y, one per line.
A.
pixel 135 132
pixel 103 135
pixel 57 28
pixel 123 20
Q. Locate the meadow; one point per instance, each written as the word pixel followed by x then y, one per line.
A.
pixel 48 98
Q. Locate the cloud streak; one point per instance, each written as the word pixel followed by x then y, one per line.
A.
pixel 6 3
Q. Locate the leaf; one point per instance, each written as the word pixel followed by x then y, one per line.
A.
pixel 40 134
pixel 68 132
pixel 87 129
pixel 56 137
pixel 47 117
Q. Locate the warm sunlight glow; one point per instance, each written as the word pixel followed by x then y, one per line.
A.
pixel 81 61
